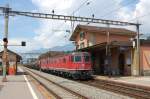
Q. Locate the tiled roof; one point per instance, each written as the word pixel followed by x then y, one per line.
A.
pixel 96 29
pixel 18 56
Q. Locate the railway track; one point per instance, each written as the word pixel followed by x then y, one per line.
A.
pixel 135 91
pixel 57 90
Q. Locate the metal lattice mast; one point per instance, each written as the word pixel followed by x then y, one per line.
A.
pixel 65 17
pixel 8 11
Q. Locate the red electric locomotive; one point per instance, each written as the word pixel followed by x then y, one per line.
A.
pixel 76 65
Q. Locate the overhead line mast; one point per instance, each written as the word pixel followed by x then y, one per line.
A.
pixel 6 11
pixel 64 17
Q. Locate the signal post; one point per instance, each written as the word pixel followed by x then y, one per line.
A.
pixel 5 40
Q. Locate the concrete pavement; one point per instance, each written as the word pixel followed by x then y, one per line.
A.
pixel 19 87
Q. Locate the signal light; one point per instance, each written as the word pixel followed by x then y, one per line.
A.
pixel 23 43
pixel 5 39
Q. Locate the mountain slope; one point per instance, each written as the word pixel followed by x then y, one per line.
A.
pixel 68 47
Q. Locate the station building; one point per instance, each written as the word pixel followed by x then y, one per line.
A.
pixel 118 43
pixel 13 59
pixel 145 56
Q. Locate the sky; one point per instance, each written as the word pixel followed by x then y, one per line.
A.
pixel 46 33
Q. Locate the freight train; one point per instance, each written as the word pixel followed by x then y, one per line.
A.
pixel 76 65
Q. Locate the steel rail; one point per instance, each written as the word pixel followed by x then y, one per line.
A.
pixel 49 90
pixel 124 89
pixel 68 90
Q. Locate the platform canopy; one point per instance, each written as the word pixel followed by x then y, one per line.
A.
pixel 112 44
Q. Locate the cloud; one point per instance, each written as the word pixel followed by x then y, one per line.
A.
pixel 46 37
pixel 142 9
pixel 16 42
pixel 139 13
pixel 49 5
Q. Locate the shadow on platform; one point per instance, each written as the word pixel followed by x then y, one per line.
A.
pixel 18 73
pixel 14 78
pixel 17 81
pixel 21 73
pixel 1 86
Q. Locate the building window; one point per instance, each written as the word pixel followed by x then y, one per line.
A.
pixel 88 43
pixel 72 59
pixel 82 35
pixel 128 59
pixel 92 39
pixel 77 46
pixel 86 58
pixel 82 45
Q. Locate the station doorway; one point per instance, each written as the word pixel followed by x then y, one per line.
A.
pixel 98 62
pixel 121 64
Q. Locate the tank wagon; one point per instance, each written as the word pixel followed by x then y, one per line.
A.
pixel 76 65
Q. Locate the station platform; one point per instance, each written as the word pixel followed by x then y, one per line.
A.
pixel 136 80
pixel 19 87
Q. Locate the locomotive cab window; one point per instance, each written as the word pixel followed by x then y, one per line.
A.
pixel 0 64
pixel 86 58
pixel 77 59
pixel 72 59
pixel 64 60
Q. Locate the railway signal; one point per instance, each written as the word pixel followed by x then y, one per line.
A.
pixel 7 11
pixel 23 43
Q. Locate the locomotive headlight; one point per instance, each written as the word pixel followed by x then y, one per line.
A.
pixel 82 65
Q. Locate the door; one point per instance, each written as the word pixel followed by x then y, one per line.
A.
pixel 121 63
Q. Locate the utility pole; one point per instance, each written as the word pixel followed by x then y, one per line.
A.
pixel 5 40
